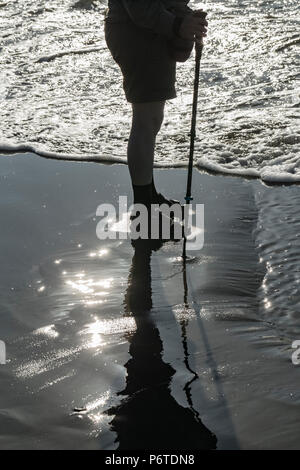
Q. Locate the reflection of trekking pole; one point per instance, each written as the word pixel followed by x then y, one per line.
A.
pixel 198 48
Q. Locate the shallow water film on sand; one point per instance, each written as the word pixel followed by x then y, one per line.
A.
pixel 110 343
pixel 60 91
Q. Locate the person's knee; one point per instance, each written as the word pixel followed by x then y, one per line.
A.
pixel 148 117
pixel 149 122
pixel 154 122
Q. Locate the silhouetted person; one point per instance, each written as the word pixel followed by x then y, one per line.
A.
pixel 146 39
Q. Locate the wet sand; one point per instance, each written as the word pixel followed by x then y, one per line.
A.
pixel 156 353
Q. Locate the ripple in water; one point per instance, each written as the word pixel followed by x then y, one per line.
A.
pixel 278 240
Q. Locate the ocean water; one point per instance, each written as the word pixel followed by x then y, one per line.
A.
pixel 60 91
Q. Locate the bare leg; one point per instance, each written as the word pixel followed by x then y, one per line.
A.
pixel 147 119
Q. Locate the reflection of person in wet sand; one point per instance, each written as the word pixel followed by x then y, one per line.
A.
pixel 149 417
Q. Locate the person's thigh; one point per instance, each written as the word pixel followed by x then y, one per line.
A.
pixel 149 72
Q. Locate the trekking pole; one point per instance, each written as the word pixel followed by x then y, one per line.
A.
pixel 188 197
pixel 198 49
pixel 198 56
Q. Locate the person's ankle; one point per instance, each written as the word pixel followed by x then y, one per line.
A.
pixel 154 191
pixel 142 194
pixel 159 198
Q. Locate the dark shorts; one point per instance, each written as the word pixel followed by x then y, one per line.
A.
pixel 149 72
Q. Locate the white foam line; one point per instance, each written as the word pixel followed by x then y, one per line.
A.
pixel 267 174
pixel 26 147
pixel 48 58
pixel 211 166
pixel 29 148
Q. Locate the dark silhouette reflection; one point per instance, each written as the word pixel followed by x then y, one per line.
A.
pixel 149 417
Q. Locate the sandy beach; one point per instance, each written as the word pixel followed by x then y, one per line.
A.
pixel 113 346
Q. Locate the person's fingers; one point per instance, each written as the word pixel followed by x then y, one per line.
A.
pixel 197 18
pixel 200 21
pixel 194 26
pixel 201 29
pixel 200 25
pixel 200 14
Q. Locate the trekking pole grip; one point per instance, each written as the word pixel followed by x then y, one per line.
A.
pixel 199 44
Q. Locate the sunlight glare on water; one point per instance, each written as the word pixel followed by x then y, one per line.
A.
pixel 60 91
